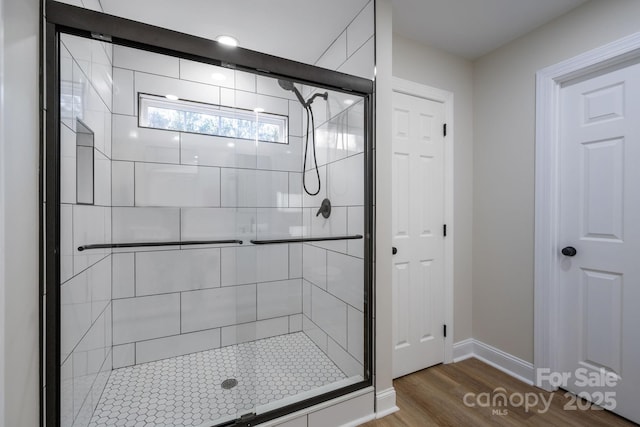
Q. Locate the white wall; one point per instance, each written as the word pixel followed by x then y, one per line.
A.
pixel 3 180
pixel 383 155
pixel 432 67
pixel 504 125
pixel 20 183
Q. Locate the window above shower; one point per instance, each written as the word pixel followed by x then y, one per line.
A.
pixel 171 113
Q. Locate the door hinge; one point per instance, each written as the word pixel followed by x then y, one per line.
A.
pixel 444 129
pixel 444 230
pixel 444 330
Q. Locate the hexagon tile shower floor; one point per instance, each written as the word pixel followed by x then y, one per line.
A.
pixel 187 390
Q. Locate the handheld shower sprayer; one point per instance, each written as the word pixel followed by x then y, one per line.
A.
pixel 289 86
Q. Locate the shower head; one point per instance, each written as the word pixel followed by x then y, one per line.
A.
pixel 288 85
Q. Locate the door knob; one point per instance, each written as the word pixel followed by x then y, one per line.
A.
pixel 569 251
pixel 394 250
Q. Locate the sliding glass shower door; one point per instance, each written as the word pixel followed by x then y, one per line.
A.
pixel 213 263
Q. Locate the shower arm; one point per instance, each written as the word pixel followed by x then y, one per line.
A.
pixel 325 96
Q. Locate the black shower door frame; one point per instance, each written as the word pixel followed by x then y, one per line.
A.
pixel 60 18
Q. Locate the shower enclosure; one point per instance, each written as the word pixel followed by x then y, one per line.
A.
pixel 208 229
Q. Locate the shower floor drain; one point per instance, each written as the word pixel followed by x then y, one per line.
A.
pixel 229 383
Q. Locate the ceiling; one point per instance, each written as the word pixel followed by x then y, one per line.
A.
pixel 472 28
pixel 302 29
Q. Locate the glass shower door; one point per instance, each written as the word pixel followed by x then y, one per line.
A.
pixel 156 304
pixel 213 256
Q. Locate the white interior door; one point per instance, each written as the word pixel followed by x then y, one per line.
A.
pixel 418 218
pixel 600 218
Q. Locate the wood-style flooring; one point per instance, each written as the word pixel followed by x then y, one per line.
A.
pixel 435 397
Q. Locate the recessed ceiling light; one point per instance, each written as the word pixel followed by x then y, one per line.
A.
pixel 227 40
pixel 230 144
pixel 258 110
pixel 218 76
pixel 171 97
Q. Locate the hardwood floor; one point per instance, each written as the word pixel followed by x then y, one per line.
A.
pixel 436 396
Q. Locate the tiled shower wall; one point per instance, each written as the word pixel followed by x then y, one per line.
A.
pixel 333 273
pixel 86 91
pixel 175 186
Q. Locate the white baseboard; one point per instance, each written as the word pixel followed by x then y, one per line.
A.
pixel 386 402
pixel 462 350
pixel 495 357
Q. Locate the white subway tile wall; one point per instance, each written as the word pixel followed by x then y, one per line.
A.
pixel 177 345
pixel 355 334
pixel 145 224
pixel 133 143
pixel 144 318
pixel 124 355
pixel 336 54
pixel 254 264
pixel 359 63
pixel 273 157
pixel 207 74
pixel 345 275
pixel 276 299
pixel 313 331
pixel 330 313
pixel 123 97
pixel 176 185
pixel 176 271
pixel 86 276
pixel 213 308
pixel 149 62
pixel 66 242
pixel 122 178
pixel 206 150
pixel 217 223
pixel 238 334
pixel 345 361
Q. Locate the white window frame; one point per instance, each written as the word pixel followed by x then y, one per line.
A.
pixel 146 101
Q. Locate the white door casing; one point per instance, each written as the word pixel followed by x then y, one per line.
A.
pixel 599 212
pixel 600 280
pixel 420 280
